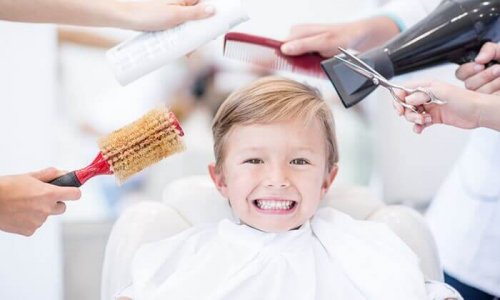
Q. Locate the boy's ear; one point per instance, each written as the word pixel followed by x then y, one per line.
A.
pixel 329 178
pixel 218 180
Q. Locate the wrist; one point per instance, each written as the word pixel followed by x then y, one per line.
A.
pixel 2 185
pixel 488 107
pixel 118 14
pixel 107 13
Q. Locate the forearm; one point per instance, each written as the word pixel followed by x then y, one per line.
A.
pixel 489 111
pixel 76 12
pixel 375 32
pixel 85 38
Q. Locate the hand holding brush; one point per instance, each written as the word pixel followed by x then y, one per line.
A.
pixel 132 148
pixel 26 200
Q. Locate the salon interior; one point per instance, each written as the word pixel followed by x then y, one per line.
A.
pixel 59 96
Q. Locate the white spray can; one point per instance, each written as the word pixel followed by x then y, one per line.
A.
pixel 149 51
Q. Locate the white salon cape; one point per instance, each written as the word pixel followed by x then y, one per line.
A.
pixel 465 214
pixel 330 257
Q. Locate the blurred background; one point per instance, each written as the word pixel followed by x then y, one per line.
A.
pixel 58 96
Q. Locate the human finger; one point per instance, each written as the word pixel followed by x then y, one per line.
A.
pixel 417 99
pixel 491 87
pixel 417 118
pixel 418 129
pixel 318 43
pixel 400 93
pixel 193 12
pixel 477 81
pixel 64 193
pixel 47 174
pixel 467 70
pixel 187 2
pixel 398 107
pixel 59 208
pixel 489 52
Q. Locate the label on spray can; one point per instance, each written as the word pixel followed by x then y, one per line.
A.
pixel 149 51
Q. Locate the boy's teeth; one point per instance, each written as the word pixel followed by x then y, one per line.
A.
pixel 271 204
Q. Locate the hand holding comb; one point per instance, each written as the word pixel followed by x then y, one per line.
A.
pixel 266 52
pixel 132 148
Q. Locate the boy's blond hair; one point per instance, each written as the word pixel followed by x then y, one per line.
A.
pixel 272 99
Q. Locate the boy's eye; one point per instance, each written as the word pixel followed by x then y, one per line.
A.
pixel 254 161
pixel 299 161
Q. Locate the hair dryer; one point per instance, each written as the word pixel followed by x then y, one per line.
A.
pixel 453 32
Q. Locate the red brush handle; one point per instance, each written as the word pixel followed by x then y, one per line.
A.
pixel 176 123
pixel 98 167
pixel 76 178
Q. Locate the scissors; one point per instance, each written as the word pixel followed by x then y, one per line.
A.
pixel 365 70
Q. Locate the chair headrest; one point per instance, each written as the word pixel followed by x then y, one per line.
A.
pixel 197 200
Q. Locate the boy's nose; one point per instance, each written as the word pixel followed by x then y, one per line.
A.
pixel 277 177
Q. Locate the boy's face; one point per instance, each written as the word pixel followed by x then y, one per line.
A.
pixel 275 175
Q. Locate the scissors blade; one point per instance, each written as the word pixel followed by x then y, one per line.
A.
pixel 359 61
pixel 356 68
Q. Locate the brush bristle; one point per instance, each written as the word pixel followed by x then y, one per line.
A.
pixel 142 143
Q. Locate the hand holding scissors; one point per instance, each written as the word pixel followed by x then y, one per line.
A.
pixel 365 70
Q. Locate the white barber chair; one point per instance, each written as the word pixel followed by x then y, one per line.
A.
pixel 194 199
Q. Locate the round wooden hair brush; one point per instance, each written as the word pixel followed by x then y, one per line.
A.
pixel 132 148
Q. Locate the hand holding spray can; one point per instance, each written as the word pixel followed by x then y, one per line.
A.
pixel 149 51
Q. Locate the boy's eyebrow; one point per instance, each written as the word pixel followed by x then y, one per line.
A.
pixel 250 148
pixel 306 149
pixel 256 148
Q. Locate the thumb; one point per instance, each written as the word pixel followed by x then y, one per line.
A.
pixel 47 175
pixel 305 30
pixel 194 12
pixel 314 43
pixel 189 2
pixel 417 99
pixel 489 51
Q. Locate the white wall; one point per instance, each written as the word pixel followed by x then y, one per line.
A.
pixel 410 167
pixel 274 18
pixel 30 268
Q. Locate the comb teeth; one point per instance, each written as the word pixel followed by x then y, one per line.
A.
pixel 272 58
pixel 263 56
pixel 142 143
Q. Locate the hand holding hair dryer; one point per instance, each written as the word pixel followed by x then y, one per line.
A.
pixel 453 32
